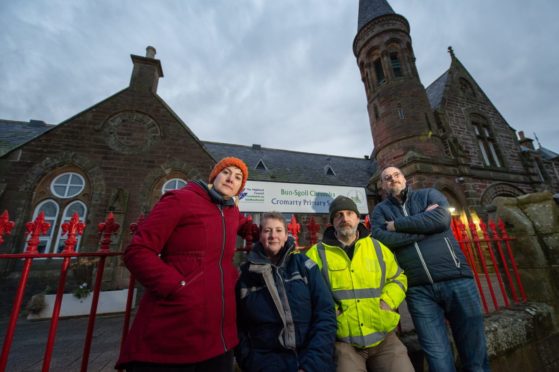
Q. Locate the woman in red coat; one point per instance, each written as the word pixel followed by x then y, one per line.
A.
pixel 182 254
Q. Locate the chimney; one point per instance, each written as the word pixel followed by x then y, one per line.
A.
pixel 146 73
pixel 525 141
pixel 37 123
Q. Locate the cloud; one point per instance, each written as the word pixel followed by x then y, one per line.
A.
pixel 278 73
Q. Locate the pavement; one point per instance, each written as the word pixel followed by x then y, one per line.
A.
pixel 29 343
pixel 30 339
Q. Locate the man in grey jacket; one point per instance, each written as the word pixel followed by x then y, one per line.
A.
pixel 415 224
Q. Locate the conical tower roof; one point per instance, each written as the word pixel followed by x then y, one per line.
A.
pixel 371 9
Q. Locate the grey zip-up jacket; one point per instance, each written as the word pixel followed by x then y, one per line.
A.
pixel 423 241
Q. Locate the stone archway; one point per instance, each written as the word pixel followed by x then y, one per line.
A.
pixel 92 170
pixel 454 195
pixel 499 189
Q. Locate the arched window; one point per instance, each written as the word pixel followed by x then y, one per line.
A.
pixel 74 207
pixel 67 185
pixel 395 64
pixel 486 142
pixel 173 184
pixel 59 194
pixel 51 209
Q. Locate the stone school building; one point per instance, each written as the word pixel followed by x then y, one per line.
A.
pixel 122 153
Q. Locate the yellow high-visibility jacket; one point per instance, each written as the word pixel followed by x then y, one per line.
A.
pixel 359 284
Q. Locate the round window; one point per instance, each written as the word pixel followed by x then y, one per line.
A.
pixel 173 184
pixel 67 185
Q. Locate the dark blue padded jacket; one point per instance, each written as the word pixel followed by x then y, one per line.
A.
pixel 423 241
pixel 285 314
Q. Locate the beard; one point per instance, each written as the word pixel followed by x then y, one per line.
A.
pixel 397 189
pixel 346 230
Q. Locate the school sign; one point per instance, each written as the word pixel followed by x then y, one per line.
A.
pixel 261 196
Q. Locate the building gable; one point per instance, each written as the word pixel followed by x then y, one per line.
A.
pixel 461 103
pixel 124 148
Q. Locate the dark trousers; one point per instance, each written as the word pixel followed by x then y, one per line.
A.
pixel 221 363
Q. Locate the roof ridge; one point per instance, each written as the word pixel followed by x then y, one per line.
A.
pixel 283 150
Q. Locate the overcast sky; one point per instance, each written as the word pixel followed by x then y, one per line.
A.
pixel 279 73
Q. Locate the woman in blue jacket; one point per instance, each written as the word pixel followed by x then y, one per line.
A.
pixel 286 319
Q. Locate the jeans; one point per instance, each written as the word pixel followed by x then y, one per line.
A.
pixel 458 301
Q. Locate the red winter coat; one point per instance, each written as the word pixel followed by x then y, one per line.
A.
pixel 187 313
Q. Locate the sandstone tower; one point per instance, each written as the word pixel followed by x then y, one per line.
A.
pixel 400 115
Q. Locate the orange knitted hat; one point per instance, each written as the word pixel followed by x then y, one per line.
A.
pixel 230 162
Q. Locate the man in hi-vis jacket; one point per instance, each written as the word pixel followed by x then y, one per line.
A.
pixel 415 224
pixel 367 286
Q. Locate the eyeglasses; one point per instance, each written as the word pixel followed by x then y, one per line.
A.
pixel 390 177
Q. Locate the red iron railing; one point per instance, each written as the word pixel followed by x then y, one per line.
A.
pixel 478 243
pixel 313 229
pixel 294 229
pixel 250 232
pixel 72 229
pixel 106 230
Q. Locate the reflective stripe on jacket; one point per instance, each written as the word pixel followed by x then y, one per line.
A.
pixel 359 284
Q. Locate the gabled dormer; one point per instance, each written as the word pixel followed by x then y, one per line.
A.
pixel 261 165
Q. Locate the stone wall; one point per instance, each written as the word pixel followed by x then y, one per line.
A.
pixel 526 337
pixel 533 220
pixel 523 338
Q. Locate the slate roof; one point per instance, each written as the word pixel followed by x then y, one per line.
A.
pixel 297 167
pixel 547 154
pixel 15 133
pixel 371 9
pixel 435 91
pixel 278 165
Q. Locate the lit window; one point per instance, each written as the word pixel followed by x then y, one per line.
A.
pixel 173 184
pixel 67 185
